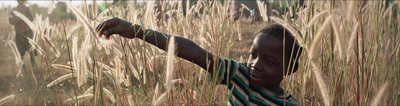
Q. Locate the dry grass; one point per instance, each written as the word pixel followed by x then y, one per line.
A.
pixel 351 56
pixel 7 99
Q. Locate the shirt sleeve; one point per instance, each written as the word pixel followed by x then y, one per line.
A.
pixel 227 69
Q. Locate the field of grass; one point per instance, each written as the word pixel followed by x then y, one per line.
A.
pixel 351 55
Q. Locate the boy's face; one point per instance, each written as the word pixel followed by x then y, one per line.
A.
pixel 20 1
pixel 266 61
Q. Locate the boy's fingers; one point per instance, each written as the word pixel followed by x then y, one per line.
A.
pixel 110 23
pixel 108 32
pixel 99 29
pixel 99 26
pixel 106 25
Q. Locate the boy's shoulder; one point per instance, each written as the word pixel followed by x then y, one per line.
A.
pixel 235 75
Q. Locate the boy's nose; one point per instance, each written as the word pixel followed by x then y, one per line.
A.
pixel 257 65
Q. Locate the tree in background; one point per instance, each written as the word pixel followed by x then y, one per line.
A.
pixel 60 13
pixel 36 9
pixel 119 3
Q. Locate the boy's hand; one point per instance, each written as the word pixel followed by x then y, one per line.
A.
pixel 11 18
pixel 117 26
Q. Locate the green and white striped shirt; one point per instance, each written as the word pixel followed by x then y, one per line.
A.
pixel 235 75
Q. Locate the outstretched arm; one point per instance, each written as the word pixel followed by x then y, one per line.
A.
pixel 186 49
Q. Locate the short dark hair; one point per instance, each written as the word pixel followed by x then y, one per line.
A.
pixel 283 34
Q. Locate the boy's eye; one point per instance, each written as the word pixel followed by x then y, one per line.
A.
pixel 253 55
pixel 268 61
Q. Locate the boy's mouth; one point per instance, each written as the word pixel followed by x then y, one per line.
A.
pixel 255 78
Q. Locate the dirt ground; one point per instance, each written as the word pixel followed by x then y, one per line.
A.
pixel 240 48
pixel 7 59
pixel 8 69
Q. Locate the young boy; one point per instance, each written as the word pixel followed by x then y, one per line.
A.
pixel 254 83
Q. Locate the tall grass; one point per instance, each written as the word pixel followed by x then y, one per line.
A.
pixel 351 55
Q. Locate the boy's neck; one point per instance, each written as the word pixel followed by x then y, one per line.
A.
pixel 276 89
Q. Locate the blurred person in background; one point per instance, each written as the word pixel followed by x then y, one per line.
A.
pixel 22 30
pixel 22 33
pixel 252 14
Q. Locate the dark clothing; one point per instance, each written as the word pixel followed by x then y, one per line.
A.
pixel 22 42
pixel 22 30
pixel 236 76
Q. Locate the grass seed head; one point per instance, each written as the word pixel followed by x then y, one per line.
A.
pixel 36 46
pixel 18 58
pixel 26 20
pixel 321 84
pixel 338 36
pixel 52 47
pixel 130 100
pixel 109 95
pixel 318 38
pixel 7 99
pixel 316 18
pixel 351 8
pixel 170 61
pixel 81 17
pixel 351 41
pixel 79 98
pixel 59 79
pixel 63 67
pixel 379 95
pixel 90 89
pixel 50 8
pixel 160 99
pixel 290 28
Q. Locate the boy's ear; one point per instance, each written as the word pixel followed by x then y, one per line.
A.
pixel 295 67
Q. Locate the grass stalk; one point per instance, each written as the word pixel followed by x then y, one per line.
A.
pixel 7 99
